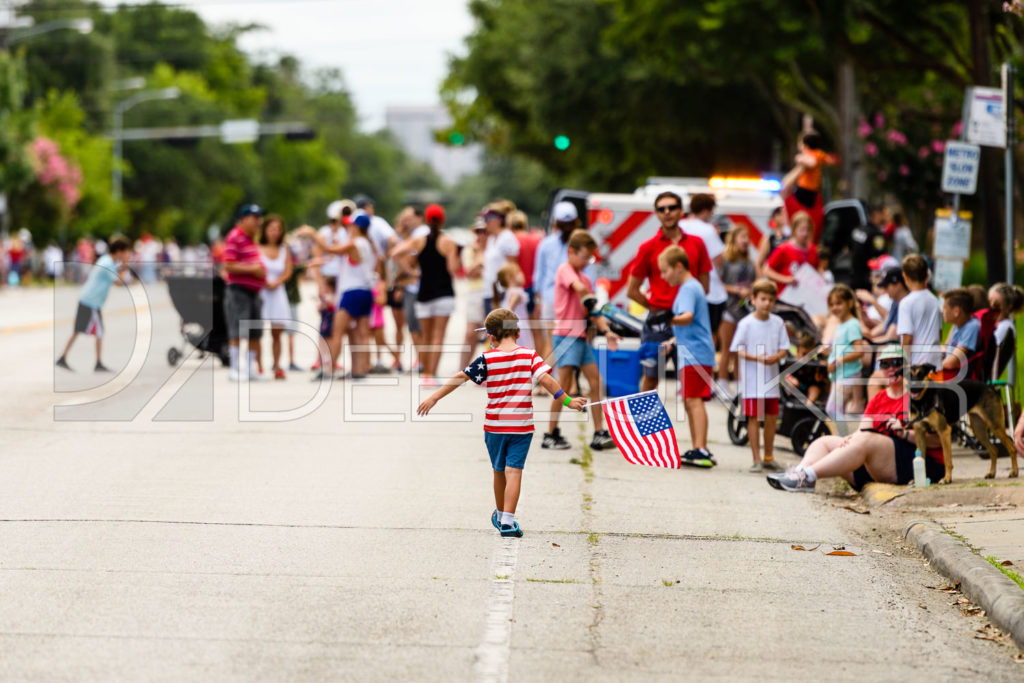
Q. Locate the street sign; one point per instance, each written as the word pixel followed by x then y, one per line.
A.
pixel 947 274
pixel 986 120
pixel 960 167
pixel 952 237
pixel 238 131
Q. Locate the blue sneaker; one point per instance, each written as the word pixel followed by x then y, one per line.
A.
pixel 511 531
pixel 494 520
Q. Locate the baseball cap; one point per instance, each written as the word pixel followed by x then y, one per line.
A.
pixel 251 210
pixel 362 221
pixel 891 351
pixel 891 277
pixel 433 213
pixel 362 200
pixel 564 212
pixel 479 224
pixel 883 262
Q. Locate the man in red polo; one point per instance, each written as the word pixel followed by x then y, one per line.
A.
pixel 244 274
pixel 658 327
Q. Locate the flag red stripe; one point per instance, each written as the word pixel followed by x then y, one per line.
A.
pixel 666 449
pixel 617 429
pixel 660 447
pixel 642 447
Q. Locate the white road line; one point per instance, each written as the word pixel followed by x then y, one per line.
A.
pixel 492 654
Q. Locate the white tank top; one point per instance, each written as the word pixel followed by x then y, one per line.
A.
pixel 360 275
pixel 274 267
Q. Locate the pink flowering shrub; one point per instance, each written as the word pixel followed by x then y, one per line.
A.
pixel 905 157
pixel 56 172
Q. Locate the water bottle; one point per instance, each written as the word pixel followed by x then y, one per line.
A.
pixel 920 478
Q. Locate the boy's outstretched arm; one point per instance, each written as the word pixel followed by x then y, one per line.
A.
pixel 552 386
pixel 450 385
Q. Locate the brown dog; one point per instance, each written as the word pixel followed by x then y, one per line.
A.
pixel 934 406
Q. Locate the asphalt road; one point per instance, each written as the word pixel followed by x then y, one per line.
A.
pixel 173 526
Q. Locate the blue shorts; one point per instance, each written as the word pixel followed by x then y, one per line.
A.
pixel 531 300
pixel 356 302
pixel 507 450
pixel 575 352
pixel 649 354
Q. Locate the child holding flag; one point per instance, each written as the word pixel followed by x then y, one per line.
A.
pixel 691 324
pixel 508 371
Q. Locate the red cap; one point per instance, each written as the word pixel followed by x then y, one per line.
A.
pixel 434 213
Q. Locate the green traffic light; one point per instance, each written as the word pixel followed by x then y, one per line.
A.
pixel 456 138
pixel 562 142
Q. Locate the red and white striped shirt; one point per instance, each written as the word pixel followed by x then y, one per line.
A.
pixel 508 377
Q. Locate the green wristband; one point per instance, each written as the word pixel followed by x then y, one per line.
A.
pixel 567 401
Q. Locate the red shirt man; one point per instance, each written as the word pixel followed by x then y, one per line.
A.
pixel 240 248
pixel 645 266
pixel 657 328
pixel 669 208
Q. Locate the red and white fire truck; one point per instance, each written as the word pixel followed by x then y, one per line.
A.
pixel 622 222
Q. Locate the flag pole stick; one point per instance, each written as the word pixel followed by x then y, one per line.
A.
pixel 619 398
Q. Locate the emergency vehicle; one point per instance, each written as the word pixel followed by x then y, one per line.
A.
pixel 620 223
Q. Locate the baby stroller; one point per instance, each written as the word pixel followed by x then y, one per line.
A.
pixel 796 419
pixel 199 300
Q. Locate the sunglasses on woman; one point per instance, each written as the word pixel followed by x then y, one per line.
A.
pixel 890 364
pixel 668 207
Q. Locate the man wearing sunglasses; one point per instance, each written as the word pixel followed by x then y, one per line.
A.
pixel 668 207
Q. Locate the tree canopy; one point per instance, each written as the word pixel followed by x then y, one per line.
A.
pixel 63 87
pixel 661 87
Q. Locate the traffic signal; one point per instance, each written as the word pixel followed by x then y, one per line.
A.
pixel 456 138
pixel 299 135
pixel 562 142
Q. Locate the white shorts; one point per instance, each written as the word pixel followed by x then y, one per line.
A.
pixel 441 307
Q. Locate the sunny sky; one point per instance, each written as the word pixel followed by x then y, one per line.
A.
pixel 392 52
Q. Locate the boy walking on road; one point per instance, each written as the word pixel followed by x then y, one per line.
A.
pixel 508 371
pixel 691 324
pixel 571 338
pixel 89 320
pixel 760 343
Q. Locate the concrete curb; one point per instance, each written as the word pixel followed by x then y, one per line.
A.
pixel 997 594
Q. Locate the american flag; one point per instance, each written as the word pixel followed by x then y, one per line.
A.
pixel 642 431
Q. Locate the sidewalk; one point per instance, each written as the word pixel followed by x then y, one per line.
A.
pixel 972 531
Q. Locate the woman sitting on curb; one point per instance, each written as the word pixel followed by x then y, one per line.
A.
pixel 881 450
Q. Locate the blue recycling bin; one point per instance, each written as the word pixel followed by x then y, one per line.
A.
pixel 620 371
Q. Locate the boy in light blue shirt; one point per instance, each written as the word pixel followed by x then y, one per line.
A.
pixel 691 324
pixel 107 270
